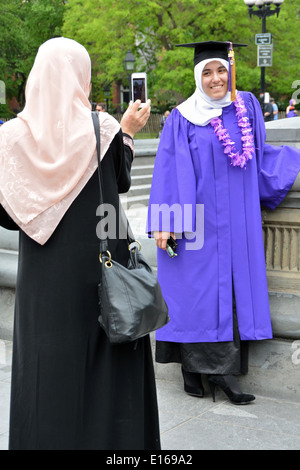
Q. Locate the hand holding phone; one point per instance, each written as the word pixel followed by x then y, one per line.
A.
pixel 167 242
pixel 171 247
pixel 139 87
pixel 134 119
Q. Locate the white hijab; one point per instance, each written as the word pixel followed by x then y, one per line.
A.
pixel 200 109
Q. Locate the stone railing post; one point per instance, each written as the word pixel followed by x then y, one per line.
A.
pixel 281 229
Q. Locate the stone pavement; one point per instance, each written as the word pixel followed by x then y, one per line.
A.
pixel 188 423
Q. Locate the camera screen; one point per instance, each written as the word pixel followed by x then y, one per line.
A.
pixel 139 89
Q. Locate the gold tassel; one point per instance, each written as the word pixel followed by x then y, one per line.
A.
pixel 232 67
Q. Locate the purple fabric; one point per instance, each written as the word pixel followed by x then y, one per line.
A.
pixel 191 168
pixel 291 113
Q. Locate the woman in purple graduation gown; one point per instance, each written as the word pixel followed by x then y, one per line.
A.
pixel 212 172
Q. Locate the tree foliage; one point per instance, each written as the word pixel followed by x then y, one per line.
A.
pixel 24 26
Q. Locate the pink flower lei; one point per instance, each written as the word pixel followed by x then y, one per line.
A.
pixel 247 136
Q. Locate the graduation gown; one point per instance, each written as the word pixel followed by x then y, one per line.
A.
pixel 191 171
pixel 71 389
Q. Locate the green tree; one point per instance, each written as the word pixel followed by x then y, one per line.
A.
pixel 286 49
pixel 24 26
pixel 10 51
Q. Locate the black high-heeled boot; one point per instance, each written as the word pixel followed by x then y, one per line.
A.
pixel 192 383
pixel 230 386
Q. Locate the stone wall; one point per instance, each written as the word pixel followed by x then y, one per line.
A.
pixel 8 273
pixel 281 229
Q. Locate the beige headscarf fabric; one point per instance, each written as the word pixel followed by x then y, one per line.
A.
pixel 48 153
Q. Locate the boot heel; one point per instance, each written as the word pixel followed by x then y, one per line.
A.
pixel 193 384
pixel 230 387
pixel 212 387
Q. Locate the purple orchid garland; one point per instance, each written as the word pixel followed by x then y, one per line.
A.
pixel 247 136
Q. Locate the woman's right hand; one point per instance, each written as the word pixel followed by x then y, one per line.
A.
pixel 134 119
pixel 162 238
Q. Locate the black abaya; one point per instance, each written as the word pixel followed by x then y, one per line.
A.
pixel 71 389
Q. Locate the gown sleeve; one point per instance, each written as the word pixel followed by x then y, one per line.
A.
pixel 278 167
pixel 173 190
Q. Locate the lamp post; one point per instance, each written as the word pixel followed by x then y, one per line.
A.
pixel 129 66
pixel 264 9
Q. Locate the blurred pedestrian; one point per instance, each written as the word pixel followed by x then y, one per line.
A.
pixel 268 111
pixel 100 107
pixel 275 109
pixel 290 110
pixel 163 120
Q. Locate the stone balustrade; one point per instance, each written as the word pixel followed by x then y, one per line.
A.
pixel 281 229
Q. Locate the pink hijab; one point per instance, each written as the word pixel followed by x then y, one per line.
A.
pixel 48 153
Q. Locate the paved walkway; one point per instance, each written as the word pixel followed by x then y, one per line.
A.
pixel 188 423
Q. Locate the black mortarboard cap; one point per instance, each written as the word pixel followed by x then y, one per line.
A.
pixel 211 49
pixel 216 50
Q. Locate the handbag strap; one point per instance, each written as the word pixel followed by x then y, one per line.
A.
pixel 95 117
pixel 123 218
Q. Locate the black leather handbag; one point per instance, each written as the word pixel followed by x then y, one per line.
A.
pixel 130 298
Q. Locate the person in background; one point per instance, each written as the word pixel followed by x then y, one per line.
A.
pixel 275 109
pixel 163 120
pixel 100 107
pixel 268 112
pixel 290 110
pixel 71 389
pixel 1 122
pixel 212 172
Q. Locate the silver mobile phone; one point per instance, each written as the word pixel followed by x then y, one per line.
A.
pixel 139 87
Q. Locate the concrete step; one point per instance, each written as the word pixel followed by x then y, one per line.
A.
pixel 8 268
pixel 143 160
pixel 7 306
pixel 145 148
pixel 139 189
pixel 141 178
pixel 130 202
pixel 147 165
